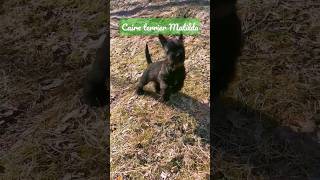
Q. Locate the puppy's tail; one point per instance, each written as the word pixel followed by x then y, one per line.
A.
pixel 148 56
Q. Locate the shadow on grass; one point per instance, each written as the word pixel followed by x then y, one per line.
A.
pixel 247 143
pixel 257 146
pixel 198 110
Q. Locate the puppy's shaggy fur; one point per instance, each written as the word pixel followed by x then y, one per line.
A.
pixel 169 74
pixel 227 44
pixel 96 86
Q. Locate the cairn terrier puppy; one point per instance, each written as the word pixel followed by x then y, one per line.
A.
pixel 96 86
pixel 168 75
pixel 227 44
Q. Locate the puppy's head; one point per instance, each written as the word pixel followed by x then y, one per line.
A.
pixel 223 8
pixel 174 49
pixel 219 2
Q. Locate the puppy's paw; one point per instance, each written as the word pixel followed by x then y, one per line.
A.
pixel 164 99
pixel 157 88
pixel 140 91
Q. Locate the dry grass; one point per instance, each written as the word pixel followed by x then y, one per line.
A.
pixel 277 87
pixel 152 140
pixel 46 133
pixel 279 70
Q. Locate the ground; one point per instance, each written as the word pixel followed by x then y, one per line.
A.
pixel 272 126
pixel 151 139
pixel 45 130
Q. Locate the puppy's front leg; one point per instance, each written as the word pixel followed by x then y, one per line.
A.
pixel 157 87
pixel 164 92
pixel 143 81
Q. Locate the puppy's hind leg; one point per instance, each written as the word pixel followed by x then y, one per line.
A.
pixel 143 81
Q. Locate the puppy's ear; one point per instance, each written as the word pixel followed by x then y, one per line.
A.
pixel 163 40
pixel 181 37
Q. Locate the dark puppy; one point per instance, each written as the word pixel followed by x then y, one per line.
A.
pixel 227 44
pixel 169 74
pixel 95 86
